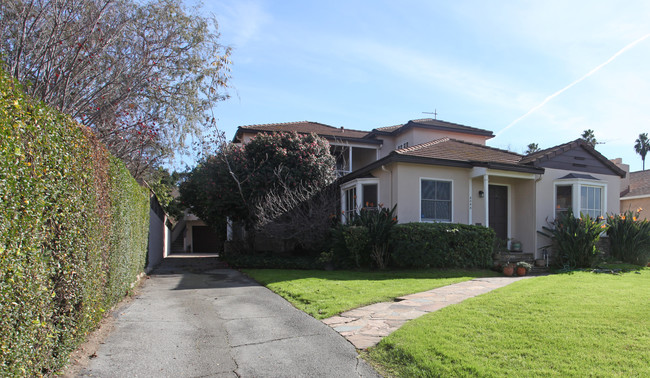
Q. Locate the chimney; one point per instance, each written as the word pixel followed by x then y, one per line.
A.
pixel 625 182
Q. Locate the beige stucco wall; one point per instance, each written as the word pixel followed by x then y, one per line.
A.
pixel 521 207
pixel 418 136
pixel 633 204
pixel 399 183
pixel 362 157
pixel 406 187
pixel 546 198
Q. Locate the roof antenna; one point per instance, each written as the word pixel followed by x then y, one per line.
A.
pixel 435 113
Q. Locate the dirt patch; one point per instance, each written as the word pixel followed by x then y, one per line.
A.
pixel 80 358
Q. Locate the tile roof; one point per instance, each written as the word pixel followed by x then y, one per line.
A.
pixel 639 184
pixel 457 150
pixel 430 123
pixel 306 127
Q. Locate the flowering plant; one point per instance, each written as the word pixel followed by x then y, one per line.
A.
pixel 629 237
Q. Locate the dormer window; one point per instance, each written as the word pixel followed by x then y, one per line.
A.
pixel 403 145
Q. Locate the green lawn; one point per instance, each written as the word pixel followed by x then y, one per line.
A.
pixel 575 324
pixel 323 294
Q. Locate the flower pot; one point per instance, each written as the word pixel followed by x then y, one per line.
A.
pixel 521 271
pixel 508 270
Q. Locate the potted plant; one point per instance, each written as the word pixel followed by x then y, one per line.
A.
pixel 523 268
pixel 509 269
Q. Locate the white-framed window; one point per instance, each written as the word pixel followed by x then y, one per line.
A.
pixel 358 194
pixel 582 196
pixel 435 200
pixel 402 145
pixel 350 198
pixel 591 200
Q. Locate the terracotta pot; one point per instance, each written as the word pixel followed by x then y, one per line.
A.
pixel 508 270
pixel 521 271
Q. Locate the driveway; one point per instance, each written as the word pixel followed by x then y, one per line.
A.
pixel 195 319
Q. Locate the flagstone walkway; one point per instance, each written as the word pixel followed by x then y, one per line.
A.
pixel 366 326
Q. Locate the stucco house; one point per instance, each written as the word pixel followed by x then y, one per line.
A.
pixel 437 171
pixel 636 193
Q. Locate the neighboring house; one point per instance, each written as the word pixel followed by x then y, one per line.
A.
pixel 636 194
pixel 436 171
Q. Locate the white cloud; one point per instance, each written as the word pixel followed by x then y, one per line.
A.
pixel 241 22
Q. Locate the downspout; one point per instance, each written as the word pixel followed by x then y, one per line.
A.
pixel 469 220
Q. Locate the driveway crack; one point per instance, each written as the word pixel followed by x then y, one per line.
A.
pixel 278 339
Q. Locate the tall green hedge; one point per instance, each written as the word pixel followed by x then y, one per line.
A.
pixel 73 233
pixel 441 245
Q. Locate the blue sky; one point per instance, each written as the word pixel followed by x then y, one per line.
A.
pixel 367 64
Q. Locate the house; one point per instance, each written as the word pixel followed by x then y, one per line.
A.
pixel 636 193
pixel 437 171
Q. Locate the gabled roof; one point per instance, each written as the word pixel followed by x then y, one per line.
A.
pixel 540 157
pixel 639 184
pixel 303 127
pixel 435 124
pixel 453 153
pixel 458 150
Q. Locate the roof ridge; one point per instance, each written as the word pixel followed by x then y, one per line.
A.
pixel 423 145
pixel 486 146
pixel 278 123
pixel 299 122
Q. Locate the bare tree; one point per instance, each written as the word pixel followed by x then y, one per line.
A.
pixel 302 213
pixel 143 76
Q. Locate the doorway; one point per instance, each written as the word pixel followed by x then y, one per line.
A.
pixel 498 205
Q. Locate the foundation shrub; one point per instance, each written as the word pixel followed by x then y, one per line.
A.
pixel 629 237
pixel 574 240
pixel 441 245
pixel 64 205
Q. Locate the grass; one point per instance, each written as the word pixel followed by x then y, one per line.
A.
pixel 323 294
pixel 573 324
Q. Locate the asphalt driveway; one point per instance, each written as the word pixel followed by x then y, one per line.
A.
pixel 195 319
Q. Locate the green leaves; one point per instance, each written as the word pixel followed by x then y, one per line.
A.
pixel 629 236
pixel 56 224
pixel 574 239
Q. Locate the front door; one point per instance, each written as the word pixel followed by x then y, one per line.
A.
pixel 499 210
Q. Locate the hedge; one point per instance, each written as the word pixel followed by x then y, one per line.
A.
pixel 441 245
pixel 73 233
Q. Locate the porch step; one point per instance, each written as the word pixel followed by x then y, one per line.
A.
pixel 513 257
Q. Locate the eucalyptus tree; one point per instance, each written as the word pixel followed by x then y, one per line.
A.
pixel 143 75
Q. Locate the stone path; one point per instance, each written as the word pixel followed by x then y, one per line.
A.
pixel 366 326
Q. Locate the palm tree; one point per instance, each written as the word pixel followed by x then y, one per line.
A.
pixel 642 146
pixel 589 137
pixel 532 148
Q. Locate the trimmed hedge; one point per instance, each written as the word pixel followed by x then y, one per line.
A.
pixel 73 233
pixel 441 245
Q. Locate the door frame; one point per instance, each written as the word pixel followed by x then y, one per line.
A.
pixel 509 210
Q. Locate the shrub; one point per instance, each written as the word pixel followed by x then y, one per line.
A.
pixel 442 245
pixel 378 221
pixel 357 241
pixel 629 237
pixel 73 233
pixel 574 240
